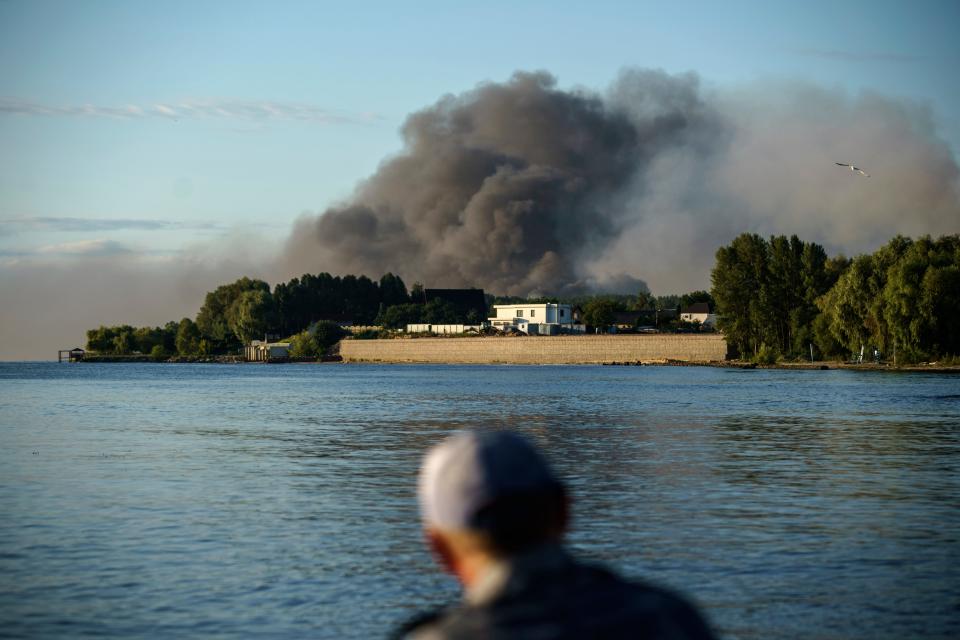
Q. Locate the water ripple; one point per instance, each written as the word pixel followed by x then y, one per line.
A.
pixel 231 501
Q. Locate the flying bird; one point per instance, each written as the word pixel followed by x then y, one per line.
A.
pixel 853 168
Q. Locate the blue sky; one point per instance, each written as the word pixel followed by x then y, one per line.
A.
pixel 136 136
pixel 284 107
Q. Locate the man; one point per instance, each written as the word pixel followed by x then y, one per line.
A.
pixel 494 515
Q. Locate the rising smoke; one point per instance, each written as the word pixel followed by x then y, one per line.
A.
pixel 512 187
pixel 524 188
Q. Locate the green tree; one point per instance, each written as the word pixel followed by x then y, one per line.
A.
pixel 158 353
pixel 392 291
pixel 188 338
pixel 250 315
pixel 326 334
pixel 856 304
pixel 123 341
pixel 645 300
pixel 101 339
pixel 813 283
pixel 669 301
pixel 439 311
pixel 417 294
pixel 766 293
pixel 304 345
pixel 400 315
pixel 169 332
pixel 214 318
pixel 599 312
pixel 784 290
pixel 825 342
pixel 146 338
pixel 921 298
pixel 694 297
pixel 740 288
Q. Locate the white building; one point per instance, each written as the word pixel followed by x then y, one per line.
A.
pixel 443 329
pixel 547 318
pixel 699 312
pixel 262 351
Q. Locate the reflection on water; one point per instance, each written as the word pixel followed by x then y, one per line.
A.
pixel 230 501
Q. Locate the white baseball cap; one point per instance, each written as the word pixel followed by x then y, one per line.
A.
pixel 471 469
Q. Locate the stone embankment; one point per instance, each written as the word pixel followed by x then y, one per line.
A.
pixel 589 349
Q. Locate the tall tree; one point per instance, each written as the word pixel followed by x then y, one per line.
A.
pixel 400 315
pixel 250 315
pixel 599 312
pixel 188 338
pixel 739 280
pixel 213 319
pixel 921 298
pixel 392 291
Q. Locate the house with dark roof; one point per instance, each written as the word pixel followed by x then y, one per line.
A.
pixel 699 312
pixel 628 320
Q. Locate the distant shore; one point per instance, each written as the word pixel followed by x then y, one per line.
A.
pixel 803 366
pixel 726 364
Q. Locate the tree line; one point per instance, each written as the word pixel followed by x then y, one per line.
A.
pixel 776 297
pixel 308 310
pixel 234 314
pixel 784 297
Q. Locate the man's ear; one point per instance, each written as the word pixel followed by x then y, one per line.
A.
pixel 440 547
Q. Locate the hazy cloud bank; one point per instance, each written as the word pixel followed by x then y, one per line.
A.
pixel 51 297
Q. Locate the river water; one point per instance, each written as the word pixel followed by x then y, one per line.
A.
pixel 231 501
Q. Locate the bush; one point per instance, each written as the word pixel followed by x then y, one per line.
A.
pixel 766 355
pixel 908 355
pixel 326 334
pixel 158 353
pixel 303 345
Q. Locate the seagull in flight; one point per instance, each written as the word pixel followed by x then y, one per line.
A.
pixel 853 168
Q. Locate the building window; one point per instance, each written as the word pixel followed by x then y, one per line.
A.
pixel 533 313
pixel 563 312
pixel 519 313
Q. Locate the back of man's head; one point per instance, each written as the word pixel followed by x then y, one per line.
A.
pixel 492 484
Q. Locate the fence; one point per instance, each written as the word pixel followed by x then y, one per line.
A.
pixel 589 349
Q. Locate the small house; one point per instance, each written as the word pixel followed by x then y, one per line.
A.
pixel 699 312
pixel 263 351
pixel 70 355
pixel 544 318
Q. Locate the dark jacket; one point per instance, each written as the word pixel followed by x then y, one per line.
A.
pixel 547 594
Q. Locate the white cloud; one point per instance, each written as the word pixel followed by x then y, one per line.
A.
pixel 99 247
pixel 842 55
pixel 11 226
pixel 193 108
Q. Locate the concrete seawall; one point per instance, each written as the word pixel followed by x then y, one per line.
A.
pixel 590 349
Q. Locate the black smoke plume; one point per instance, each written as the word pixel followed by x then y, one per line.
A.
pixel 510 187
pixel 524 188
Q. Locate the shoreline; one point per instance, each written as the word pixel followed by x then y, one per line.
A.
pixel 823 365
